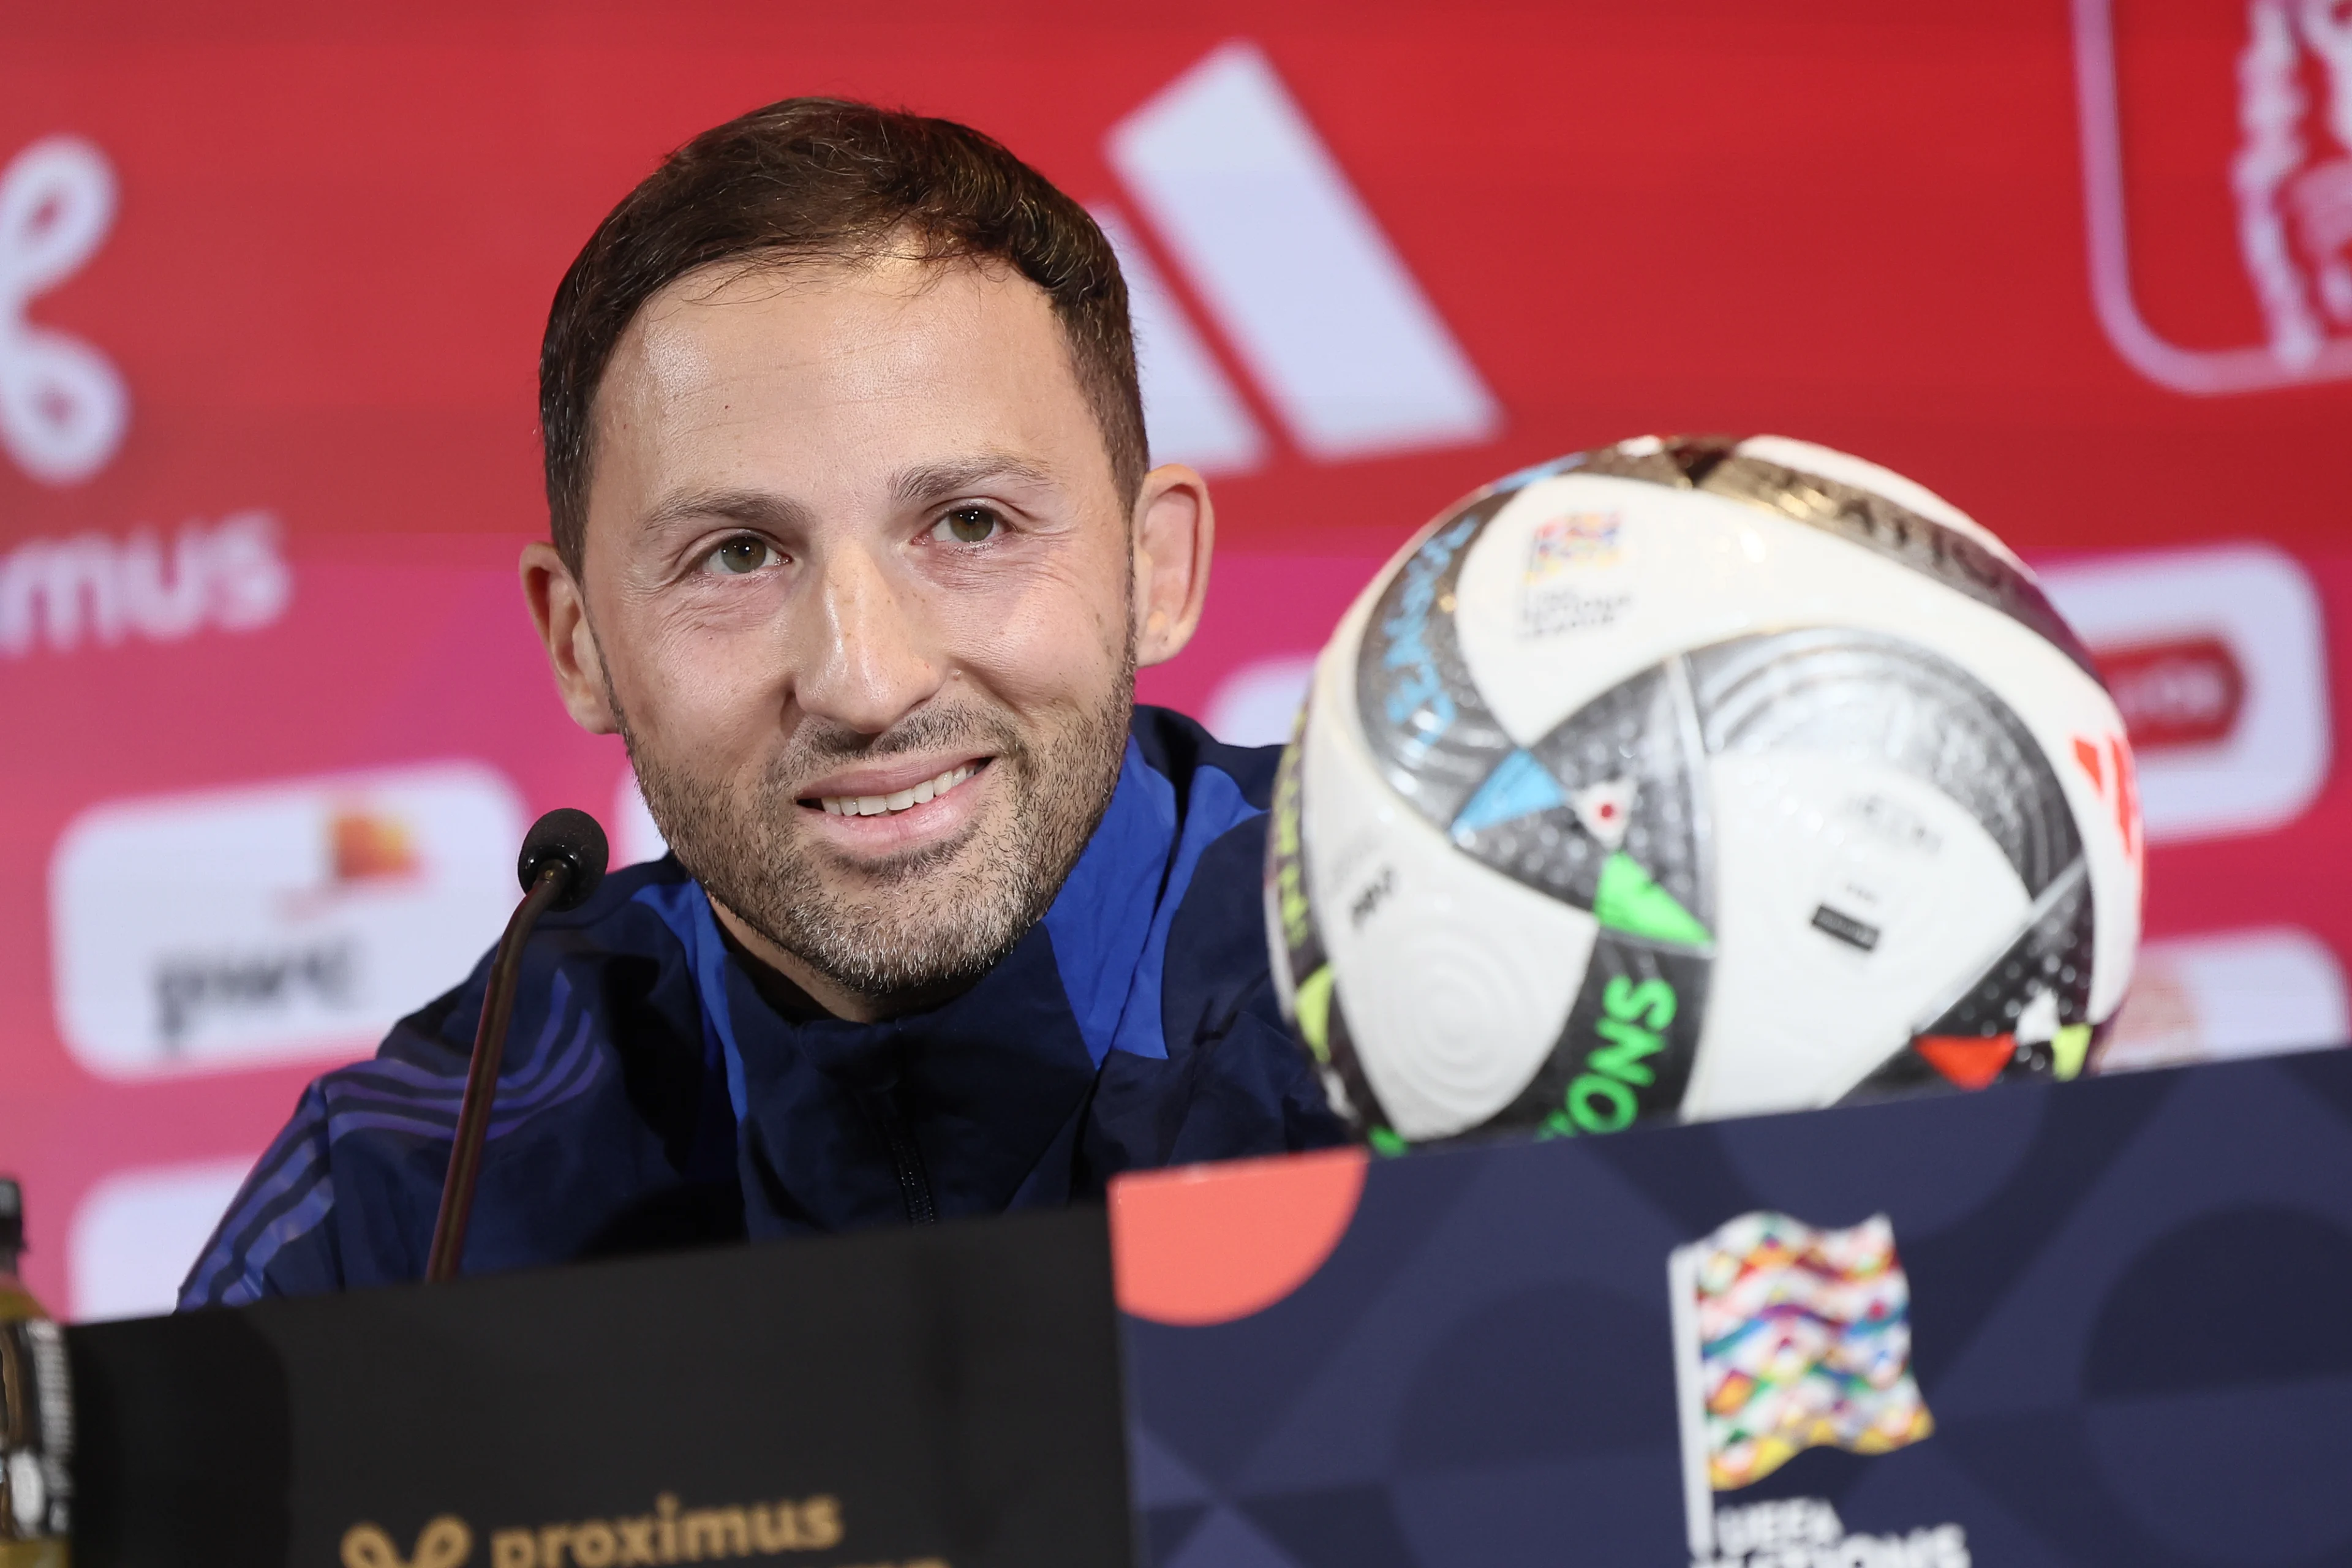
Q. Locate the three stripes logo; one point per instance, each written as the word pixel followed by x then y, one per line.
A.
pixel 1300 283
pixel 1221 169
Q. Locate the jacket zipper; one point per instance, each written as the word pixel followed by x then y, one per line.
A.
pixel 914 1187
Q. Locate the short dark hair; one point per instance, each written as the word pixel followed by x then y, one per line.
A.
pixel 828 179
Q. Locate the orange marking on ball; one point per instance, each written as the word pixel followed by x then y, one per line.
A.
pixel 1970 1063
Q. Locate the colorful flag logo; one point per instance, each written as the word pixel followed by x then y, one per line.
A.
pixel 1578 539
pixel 1786 1337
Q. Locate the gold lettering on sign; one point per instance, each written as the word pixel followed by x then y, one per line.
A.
pixel 821 1522
pixel 592 1544
pixel 716 1533
pixel 665 1506
pixel 446 1543
pixel 667 1536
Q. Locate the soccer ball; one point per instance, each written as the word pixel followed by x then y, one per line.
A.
pixel 1696 778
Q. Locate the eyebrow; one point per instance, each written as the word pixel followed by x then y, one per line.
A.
pixel 937 482
pixel 753 509
pixel 767 510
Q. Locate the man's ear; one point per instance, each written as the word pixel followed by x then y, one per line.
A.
pixel 1175 530
pixel 561 613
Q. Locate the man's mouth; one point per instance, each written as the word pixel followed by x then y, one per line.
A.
pixel 898 800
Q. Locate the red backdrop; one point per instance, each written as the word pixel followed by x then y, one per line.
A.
pixel 272 278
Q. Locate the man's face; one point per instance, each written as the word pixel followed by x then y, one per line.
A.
pixel 861 587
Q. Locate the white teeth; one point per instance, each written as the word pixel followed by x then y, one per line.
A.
pixel 899 800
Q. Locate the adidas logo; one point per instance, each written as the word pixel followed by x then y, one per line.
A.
pixel 1238 197
pixel 1251 210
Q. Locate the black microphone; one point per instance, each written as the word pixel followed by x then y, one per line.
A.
pixel 562 862
pixel 571 836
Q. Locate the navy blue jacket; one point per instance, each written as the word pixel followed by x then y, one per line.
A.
pixel 651 1097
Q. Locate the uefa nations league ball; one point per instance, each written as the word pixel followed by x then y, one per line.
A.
pixel 1696 778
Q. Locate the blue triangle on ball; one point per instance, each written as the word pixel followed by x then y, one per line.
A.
pixel 1515 788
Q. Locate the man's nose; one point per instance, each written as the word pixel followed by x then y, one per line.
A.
pixel 875 660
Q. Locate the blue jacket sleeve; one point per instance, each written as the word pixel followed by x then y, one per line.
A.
pixel 274 1239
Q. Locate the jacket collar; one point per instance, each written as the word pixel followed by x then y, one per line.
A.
pixel 986 1084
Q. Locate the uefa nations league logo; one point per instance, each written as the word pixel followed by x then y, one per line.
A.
pixel 1787 1338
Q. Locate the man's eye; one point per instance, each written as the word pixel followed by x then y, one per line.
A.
pixel 968 525
pixel 740 555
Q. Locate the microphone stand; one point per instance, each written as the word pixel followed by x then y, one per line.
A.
pixel 562 862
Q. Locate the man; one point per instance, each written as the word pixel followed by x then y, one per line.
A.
pixel 855 544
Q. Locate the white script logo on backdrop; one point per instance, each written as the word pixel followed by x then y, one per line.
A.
pixel 1307 291
pixel 63 408
pixel 2289 179
pixel 59 593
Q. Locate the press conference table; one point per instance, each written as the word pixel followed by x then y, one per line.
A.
pixel 2127 1299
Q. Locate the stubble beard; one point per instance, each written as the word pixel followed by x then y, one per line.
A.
pixel 919 926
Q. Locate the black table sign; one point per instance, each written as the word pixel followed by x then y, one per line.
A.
pixel 947 1398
